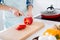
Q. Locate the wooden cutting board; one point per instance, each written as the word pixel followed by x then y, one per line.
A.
pixel 13 34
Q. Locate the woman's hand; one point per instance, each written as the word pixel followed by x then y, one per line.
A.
pixel 29 14
pixel 18 13
pixel 29 11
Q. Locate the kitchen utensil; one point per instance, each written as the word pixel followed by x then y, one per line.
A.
pixel 50 13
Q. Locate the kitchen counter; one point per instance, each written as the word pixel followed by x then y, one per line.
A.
pixel 48 24
pixel 13 34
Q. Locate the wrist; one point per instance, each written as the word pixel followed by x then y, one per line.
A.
pixel 13 10
pixel 29 7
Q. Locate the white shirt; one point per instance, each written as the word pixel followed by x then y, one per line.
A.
pixel 10 18
pixel 19 4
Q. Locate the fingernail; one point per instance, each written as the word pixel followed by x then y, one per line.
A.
pixel 20 14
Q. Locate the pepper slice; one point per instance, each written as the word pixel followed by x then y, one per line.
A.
pixel 20 27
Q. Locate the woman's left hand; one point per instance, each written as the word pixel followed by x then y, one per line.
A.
pixel 29 14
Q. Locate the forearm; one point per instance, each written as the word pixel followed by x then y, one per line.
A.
pixel 29 8
pixel 29 4
pixel 8 8
pixel 29 11
pixel 4 7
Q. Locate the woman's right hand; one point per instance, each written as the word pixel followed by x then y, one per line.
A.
pixel 18 13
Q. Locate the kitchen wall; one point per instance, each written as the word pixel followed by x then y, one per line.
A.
pixel 41 5
pixel 46 3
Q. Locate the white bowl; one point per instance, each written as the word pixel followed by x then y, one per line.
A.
pixel 47 38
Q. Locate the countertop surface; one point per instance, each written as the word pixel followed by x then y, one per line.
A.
pixel 48 24
pixel 13 34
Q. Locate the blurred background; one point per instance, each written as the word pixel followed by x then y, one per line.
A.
pixel 38 6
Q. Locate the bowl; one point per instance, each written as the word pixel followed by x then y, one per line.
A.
pixel 50 15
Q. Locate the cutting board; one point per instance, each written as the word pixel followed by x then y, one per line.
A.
pixel 13 34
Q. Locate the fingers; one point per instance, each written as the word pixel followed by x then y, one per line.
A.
pixel 21 13
pixel 18 13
